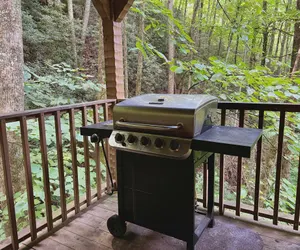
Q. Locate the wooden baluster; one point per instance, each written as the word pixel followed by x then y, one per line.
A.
pixel 297 204
pixel 60 164
pixel 239 170
pixel 204 185
pixel 28 177
pixel 74 159
pixel 278 166
pixel 108 152
pixel 258 167
pixel 86 159
pixel 43 144
pixel 221 187
pixel 97 155
pixel 8 184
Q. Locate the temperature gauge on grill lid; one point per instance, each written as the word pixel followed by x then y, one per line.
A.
pixel 145 141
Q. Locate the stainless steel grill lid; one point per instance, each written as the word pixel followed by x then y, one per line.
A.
pixel 161 125
pixel 177 115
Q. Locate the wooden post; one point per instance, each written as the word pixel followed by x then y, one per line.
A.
pixel 112 13
pixel 113 53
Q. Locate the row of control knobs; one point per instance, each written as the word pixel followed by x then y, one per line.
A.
pixel 146 141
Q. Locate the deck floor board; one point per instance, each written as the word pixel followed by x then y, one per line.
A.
pixel 89 231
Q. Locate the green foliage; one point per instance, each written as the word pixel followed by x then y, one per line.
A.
pixel 62 85
pixel 46 33
pixel 21 204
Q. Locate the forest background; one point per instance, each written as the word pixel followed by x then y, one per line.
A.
pixel 247 51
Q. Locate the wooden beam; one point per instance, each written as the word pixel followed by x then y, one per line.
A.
pixel 103 8
pixel 121 8
pixel 113 53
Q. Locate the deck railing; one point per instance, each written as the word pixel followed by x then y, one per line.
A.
pixel 40 115
pixel 240 112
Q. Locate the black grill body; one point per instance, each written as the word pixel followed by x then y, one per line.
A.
pixel 159 193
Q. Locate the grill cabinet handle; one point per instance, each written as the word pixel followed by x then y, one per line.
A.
pixel 144 126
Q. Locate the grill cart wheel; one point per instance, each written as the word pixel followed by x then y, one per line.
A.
pixel 116 226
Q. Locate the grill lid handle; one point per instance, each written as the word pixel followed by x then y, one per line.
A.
pixel 144 126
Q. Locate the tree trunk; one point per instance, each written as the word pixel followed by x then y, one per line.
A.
pixel 212 29
pixel 194 16
pixel 199 28
pixel 282 48
pixel 253 53
pixel 185 9
pixel 222 32
pixel 86 18
pixel 278 40
pixel 171 49
pixel 125 53
pixel 297 63
pixel 11 57
pixel 236 48
pixel 296 43
pixel 11 89
pixel 272 39
pixel 101 63
pixel 139 73
pixel 265 36
pixel 73 35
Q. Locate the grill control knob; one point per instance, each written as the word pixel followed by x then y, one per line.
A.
pixel 145 141
pixel 174 145
pixel 159 143
pixel 95 138
pixel 131 139
pixel 119 138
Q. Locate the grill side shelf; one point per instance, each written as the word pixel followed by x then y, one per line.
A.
pixel 227 140
pixel 102 129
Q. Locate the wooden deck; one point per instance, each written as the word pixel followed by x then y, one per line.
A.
pixel 89 231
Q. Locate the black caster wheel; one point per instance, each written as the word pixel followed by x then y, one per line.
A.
pixel 116 226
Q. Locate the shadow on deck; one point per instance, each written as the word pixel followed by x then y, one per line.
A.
pixel 88 231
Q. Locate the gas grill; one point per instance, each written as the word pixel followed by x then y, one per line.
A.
pixel 158 139
pixel 161 125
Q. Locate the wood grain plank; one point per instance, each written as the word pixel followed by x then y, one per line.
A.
pixel 60 165
pixel 50 244
pixel 92 220
pixel 8 184
pixel 34 113
pixel 97 235
pixel 278 166
pixel 46 181
pixel 258 167
pixel 205 183
pixel 108 150
pixel 239 170
pixel 297 204
pixel 221 183
pixel 86 159
pixel 76 241
pixel 74 159
pixel 97 156
pixel 28 175
pixel 100 212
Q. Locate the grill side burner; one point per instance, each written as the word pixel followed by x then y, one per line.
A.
pixel 156 167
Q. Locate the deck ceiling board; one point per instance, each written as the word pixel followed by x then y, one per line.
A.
pixel 121 7
pixel 103 8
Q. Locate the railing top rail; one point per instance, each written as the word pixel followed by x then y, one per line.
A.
pixel 32 113
pixel 287 107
